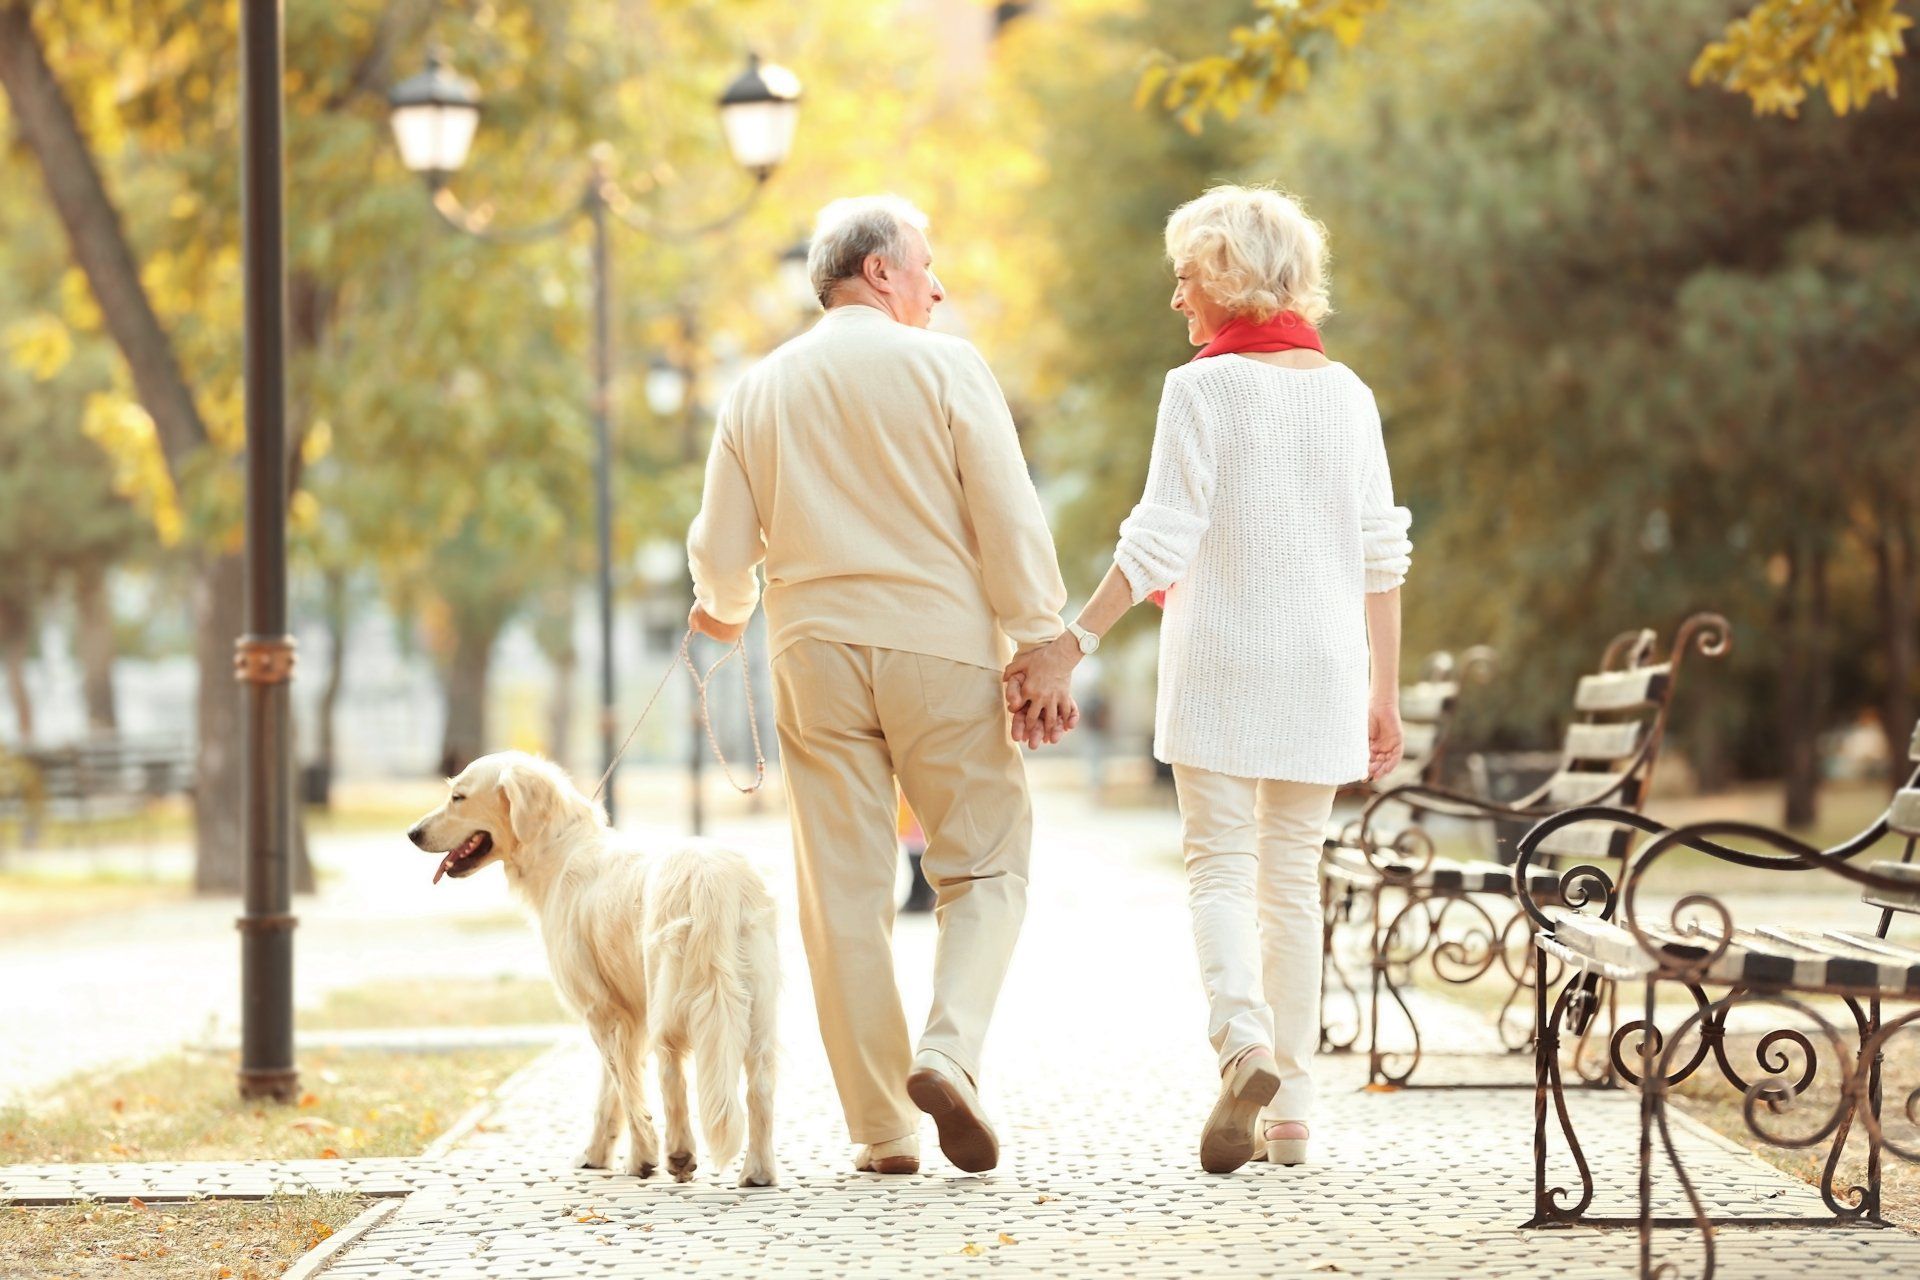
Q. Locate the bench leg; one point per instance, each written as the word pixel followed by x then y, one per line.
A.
pixel 1385 958
pixel 1336 908
pixel 1550 1102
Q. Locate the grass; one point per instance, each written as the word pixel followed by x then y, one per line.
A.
pixel 184 1107
pixel 451 1002
pixel 207 1240
pixel 31 900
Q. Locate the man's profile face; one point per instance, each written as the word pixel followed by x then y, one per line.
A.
pixel 916 289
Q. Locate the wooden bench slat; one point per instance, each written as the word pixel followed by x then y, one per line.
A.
pixel 1913 748
pixel 1587 840
pixel 1615 741
pixel 1428 701
pixel 1893 973
pixel 1417 742
pixel 1904 816
pixel 1622 690
pixel 1570 789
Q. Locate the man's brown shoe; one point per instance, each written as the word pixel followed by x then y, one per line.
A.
pixel 901 1155
pixel 940 1088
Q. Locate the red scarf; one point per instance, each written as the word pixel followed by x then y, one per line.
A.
pixel 1285 332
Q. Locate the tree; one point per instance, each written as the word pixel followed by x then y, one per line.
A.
pixel 1773 55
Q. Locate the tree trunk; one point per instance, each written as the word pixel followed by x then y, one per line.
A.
pixel 1801 626
pixel 93 643
pixel 47 125
pixel 219 840
pixel 15 644
pixel 1895 567
pixel 466 687
pixel 337 620
pixel 566 663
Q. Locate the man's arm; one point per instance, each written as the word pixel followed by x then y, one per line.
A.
pixel 725 543
pixel 1017 555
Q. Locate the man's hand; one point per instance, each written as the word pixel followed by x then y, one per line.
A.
pixel 1039 693
pixel 707 625
pixel 1384 737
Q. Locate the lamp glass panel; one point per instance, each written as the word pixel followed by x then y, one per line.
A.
pixel 760 134
pixel 434 138
pixel 666 389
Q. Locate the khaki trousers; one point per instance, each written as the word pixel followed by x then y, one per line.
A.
pixel 851 719
pixel 1253 887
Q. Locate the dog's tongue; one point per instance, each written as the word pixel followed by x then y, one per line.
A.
pixel 445 862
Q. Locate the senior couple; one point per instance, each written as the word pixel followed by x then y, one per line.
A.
pixel 914 601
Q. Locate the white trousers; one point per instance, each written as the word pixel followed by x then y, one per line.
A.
pixel 1252 849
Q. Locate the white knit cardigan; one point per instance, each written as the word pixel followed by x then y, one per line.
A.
pixel 1269 513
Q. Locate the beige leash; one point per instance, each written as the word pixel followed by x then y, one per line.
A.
pixel 701 682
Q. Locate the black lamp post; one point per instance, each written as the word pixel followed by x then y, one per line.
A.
pixel 434 117
pixel 263 657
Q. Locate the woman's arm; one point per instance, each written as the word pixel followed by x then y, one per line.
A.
pixel 1384 737
pixel 1040 673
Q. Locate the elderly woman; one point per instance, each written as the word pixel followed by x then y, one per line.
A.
pixel 1268 523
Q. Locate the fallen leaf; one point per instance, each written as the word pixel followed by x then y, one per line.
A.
pixel 226 1273
pixel 1007 1239
pixel 593 1217
pixel 971 1250
pixel 135 1202
pixel 312 1124
pixel 1382 1088
pixel 1044 1199
pixel 119 1104
pixel 328 1153
pixel 309 1100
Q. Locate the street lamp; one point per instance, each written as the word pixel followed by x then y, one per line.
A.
pixel 434 116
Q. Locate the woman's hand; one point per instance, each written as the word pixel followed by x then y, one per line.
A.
pixel 1384 737
pixel 707 625
pixel 1039 692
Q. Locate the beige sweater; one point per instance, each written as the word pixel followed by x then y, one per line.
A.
pixel 873 466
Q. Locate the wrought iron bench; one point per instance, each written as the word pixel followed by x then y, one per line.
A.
pixel 1426 714
pixel 1598 927
pixel 1457 915
pixel 101 780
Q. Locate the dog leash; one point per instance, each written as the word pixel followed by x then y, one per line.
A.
pixel 701 682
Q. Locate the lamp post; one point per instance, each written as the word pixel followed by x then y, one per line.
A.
pixel 263 657
pixel 435 116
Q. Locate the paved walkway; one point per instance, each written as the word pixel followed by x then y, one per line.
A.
pixel 1100 1079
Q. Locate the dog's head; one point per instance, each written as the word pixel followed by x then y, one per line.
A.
pixel 502 807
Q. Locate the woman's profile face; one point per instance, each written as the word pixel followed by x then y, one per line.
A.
pixel 1205 317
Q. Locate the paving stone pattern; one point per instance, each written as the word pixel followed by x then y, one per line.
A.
pixel 1100 1078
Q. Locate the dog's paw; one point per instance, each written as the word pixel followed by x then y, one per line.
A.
pixel 594 1158
pixel 757 1176
pixel 680 1164
pixel 640 1168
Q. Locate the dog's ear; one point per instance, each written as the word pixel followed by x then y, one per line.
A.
pixel 533 801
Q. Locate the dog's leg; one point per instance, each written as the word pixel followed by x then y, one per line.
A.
pixel 643 1142
pixel 607 1118
pixel 758 1169
pixel 762 1032
pixel 673 1101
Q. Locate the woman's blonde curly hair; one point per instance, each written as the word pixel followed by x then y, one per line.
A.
pixel 1254 250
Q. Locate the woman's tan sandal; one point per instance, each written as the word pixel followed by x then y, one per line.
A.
pixel 1249 1084
pixel 1282 1150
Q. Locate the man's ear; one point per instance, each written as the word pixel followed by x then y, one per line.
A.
pixel 875 269
pixel 532 801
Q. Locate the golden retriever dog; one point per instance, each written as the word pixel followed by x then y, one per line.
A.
pixel 673 953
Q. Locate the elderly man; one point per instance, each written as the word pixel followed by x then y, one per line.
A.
pixel 873 466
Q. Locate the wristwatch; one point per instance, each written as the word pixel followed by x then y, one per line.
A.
pixel 1088 641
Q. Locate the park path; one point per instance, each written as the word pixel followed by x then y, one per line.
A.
pixel 1099 1076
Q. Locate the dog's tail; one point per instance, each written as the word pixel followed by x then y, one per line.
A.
pixel 698 984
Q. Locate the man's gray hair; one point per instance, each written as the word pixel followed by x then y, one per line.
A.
pixel 848 230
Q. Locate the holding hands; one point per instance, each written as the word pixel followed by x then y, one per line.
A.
pixel 1039 693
